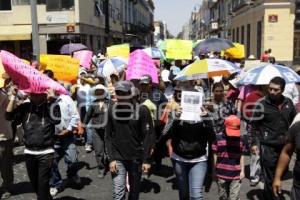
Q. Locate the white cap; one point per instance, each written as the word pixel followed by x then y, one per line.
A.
pixel 165 75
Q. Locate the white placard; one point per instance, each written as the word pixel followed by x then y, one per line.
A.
pixel 191 103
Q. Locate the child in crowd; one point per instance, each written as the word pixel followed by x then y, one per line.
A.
pixel 228 151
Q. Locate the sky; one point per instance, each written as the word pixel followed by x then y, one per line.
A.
pixel 174 12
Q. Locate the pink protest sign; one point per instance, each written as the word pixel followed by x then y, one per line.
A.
pixel 27 78
pixel 141 64
pixel 85 57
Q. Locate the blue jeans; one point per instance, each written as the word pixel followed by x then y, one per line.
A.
pixel 67 149
pixel 89 135
pixel 134 169
pixel 190 179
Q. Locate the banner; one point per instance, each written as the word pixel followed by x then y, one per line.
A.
pixel 26 77
pixel 179 49
pixel 65 68
pixel 85 57
pixel 141 64
pixel 121 50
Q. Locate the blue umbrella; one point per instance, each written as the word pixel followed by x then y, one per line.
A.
pixel 71 48
pixel 262 75
pixel 110 66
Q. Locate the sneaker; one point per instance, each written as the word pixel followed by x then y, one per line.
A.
pixel 88 148
pixel 5 195
pixel 254 183
pixel 53 192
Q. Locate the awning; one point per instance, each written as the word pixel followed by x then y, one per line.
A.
pixel 16 32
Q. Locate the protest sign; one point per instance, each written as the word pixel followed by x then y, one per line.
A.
pixel 26 77
pixel 141 64
pixel 179 49
pixel 65 68
pixel 191 103
pixel 85 57
pixel 121 50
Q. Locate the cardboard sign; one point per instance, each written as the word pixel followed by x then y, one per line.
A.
pixel 179 49
pixel 65 68
pixel 26 77
pixel 85 57
pixel 141 64
pixel 121 50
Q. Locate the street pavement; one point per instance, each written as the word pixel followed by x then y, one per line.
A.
pixel 160 186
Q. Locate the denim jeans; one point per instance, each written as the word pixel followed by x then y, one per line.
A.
pixel 98 145
pixel 89 135
pixel 190 179
pixel 39 173
pixel 134 170
pixel 229 189
pixel 67 149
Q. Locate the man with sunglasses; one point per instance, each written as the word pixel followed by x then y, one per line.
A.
pixel 270 122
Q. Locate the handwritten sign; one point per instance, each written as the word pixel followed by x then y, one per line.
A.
pixel 26 77
pixel 121 50
pixel 179 49
pixel 2 71
pixel 141 64
pixel 65 68
pixel 85 57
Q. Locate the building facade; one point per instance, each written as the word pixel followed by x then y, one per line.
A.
pixel 138 18
pixel 95 23
pixel 262 25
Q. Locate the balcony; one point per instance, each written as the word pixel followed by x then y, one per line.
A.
pixel 238 4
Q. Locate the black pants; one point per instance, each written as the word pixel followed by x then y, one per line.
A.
pixel 39 172
pixel 99 147
pixel 269 158
pixel 6 164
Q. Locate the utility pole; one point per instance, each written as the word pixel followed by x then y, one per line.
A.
pixel 35 31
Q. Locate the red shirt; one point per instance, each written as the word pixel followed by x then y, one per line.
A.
pixel 250 102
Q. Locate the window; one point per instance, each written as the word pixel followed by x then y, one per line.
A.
pixel 59 5
pixel 243 35
pixel 248 39
pixel 237 34
pixel 233 35
pixel 258 45
pixel 5 5
pixel 27 2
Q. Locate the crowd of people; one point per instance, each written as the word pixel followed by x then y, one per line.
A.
pixel 132 125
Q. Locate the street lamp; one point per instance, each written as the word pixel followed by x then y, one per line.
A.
pixel 35 31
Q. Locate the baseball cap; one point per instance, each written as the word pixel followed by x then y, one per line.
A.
pixel 232 125
pixel 123 86
pixel 146 79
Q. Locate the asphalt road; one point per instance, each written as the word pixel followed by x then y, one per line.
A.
pixel 160 186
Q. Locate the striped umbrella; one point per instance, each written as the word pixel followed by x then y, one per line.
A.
pixel 207 68
pixel 262 75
